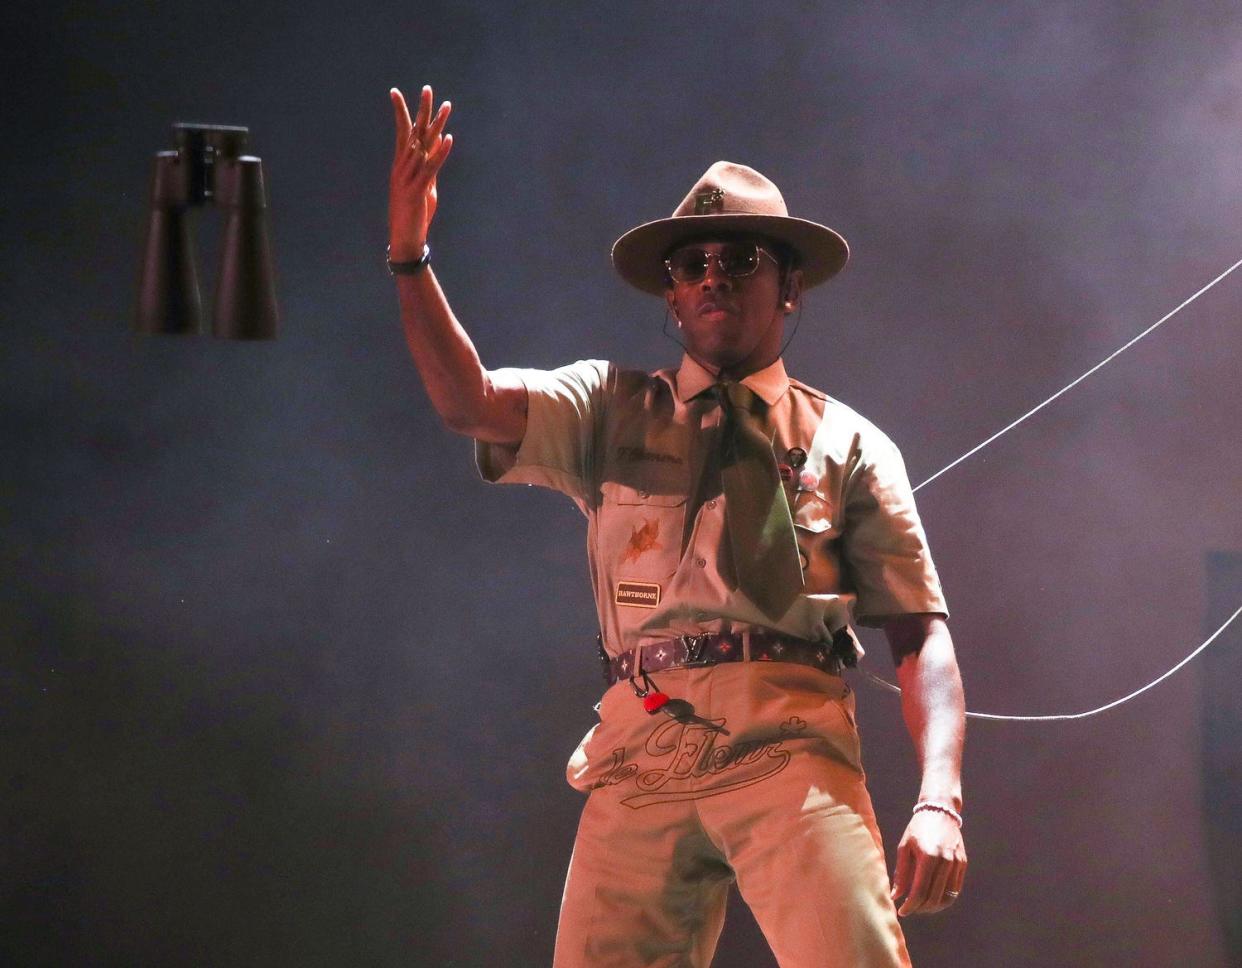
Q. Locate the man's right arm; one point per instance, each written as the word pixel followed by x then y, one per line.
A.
pixel 469 399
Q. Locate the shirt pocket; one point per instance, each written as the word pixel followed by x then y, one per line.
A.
pixel 627 495
pixel 817 531
pixel 641 529
pixel 813 512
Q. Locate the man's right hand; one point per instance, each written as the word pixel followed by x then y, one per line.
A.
pixel 483 404
pixel 420 151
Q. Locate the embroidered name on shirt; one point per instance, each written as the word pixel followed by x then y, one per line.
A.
pixel 632 455
pixel 640 593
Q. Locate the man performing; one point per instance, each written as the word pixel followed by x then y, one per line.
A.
pixel 738 522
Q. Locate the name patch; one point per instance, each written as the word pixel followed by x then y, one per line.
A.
pixel 640 593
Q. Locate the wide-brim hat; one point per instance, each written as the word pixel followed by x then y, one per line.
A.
pixel 728 198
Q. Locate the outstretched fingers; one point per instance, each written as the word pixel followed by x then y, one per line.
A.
pixel 420 141
pixel 421 150
pixel 437 156
pixel 436 128
pixel 424 111
pixel 401 119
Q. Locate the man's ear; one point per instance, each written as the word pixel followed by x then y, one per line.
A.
pixel 793 291
pixel 672 304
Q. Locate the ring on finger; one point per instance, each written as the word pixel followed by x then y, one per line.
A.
pixel 952 894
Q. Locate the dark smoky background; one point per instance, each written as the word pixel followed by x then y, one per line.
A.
pixel 284 684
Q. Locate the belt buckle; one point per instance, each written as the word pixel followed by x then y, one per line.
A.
pixel 695 644
pixel 843 653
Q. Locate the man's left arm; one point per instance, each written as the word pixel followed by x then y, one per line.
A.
pixel 931 857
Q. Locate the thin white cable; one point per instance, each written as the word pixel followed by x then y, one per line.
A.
pixel 1090 712
pixel 1069 386
pixel 1030 413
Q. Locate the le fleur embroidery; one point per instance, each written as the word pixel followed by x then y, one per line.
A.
pixel 642 540
pixel 691 764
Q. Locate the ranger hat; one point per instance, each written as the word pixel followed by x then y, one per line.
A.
pixel 728 198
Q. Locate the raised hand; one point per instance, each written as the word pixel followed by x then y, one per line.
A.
pixel 421 147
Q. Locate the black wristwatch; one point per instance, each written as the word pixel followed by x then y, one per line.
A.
pixel 410 268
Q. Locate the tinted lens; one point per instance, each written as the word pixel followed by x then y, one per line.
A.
pixel 739 260
pixel 688 265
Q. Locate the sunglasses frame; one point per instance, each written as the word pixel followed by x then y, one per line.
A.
pixel 668 263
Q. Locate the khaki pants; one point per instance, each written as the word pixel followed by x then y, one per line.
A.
pixel 677 811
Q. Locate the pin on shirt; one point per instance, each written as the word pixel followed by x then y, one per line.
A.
pixel 793 468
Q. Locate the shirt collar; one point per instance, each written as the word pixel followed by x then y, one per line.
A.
pixel 768 384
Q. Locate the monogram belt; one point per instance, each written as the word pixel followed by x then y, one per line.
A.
pixel 713 648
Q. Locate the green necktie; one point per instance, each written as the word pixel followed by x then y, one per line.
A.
pixel 761 532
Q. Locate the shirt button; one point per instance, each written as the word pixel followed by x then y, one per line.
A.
pixel 711 503
pixel 701 562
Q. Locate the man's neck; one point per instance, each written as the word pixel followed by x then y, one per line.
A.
pixel 737 371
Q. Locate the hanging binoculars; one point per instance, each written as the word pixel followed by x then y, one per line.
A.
pixel 207 168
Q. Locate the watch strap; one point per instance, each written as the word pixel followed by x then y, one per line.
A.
pixel 410 268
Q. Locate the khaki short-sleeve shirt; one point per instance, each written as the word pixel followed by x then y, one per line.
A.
pixel 636 453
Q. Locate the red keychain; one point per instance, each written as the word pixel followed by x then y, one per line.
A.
pixel 655 701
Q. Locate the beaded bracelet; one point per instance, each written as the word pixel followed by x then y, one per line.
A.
pixel 939 808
